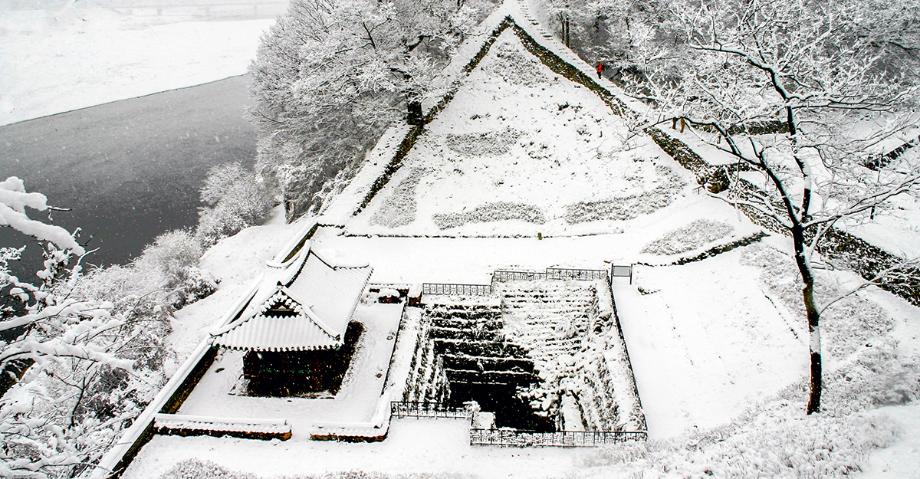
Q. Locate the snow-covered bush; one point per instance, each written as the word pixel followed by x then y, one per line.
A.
pixel 195 469
pixel 89 344
pixel 489 212
pixel 485 143
pixel 670 186
pixel 399 207
pixel 691 236
pixel 236 198
pixel 70 349
pixel 512 64
pixel 173 256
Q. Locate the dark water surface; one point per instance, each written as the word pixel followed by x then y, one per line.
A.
pixel 131 169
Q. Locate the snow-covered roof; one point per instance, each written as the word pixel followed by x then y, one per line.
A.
pixel 309 311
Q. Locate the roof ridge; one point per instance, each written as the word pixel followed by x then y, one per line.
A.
pixel 301 308
pixel 322 325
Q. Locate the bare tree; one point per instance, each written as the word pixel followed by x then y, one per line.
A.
pixel 796 92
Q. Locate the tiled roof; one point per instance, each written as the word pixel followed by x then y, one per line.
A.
pixel 311 311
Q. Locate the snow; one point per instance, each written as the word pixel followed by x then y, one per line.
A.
pixel 472 260
pixel 707 340
pixel 413 446
pixel 900 459
pixel 896 230
pixel 82 55
pixel 13 203
pixel 705 343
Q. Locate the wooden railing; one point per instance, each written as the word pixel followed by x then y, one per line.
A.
pixel 506 275
pixel 512 437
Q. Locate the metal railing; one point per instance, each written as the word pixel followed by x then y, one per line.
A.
pixel 576 274
pixel 510 437
pixel 505 275
pixel 457 289
pixel 400 409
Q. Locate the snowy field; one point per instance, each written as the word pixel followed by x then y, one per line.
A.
pixel 706 343
pixel 521 150
pixel 80 55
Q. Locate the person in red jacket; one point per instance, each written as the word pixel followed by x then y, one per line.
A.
pixel 600 70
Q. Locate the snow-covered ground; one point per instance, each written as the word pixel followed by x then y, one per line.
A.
pixel 706 342
pixel 81 55
pixel 413 446
pixel 901 458
pixel 715 344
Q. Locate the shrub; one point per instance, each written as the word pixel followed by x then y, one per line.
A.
pixel 688 237
pixel 398 209
pixel 236 198
pixel 489 212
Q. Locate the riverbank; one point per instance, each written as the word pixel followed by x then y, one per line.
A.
pixel 131 169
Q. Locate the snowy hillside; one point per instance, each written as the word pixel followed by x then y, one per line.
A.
pixel 519 150
pixel 79 55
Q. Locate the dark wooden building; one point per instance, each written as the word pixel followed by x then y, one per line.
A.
pixel 300 339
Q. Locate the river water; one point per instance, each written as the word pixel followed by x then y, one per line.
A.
pixel 131 169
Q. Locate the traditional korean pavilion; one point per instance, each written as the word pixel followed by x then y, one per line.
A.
pixel 299 340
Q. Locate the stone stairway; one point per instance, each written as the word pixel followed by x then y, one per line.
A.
pixel 525 9
pixel 549 318
pixel 464 343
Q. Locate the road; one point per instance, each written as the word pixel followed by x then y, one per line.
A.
pixel 130 169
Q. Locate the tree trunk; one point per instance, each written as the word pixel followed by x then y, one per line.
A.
pixel 814 320
pixel 814 347
pixel 414 115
